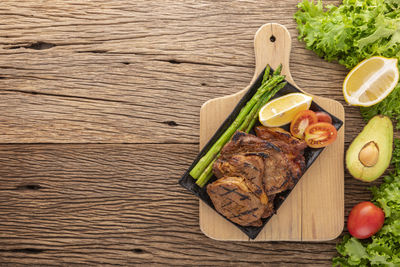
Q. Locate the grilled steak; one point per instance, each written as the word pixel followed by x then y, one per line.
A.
pixel 234 199
pixel 279 135
pixel 246 165
pixel 251 171
pixel 277 176
pixel 291 146
pixel 269 208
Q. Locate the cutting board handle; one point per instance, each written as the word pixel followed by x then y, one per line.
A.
pixel 314 210
pixel 272 44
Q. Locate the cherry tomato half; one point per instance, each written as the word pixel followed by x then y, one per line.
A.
pixel 323 117
pixel 365 220
pixel 320 134
pixel 301 121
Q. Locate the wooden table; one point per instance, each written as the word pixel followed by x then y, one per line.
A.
pixel 99 117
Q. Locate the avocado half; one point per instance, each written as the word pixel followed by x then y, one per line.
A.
pixel 369 154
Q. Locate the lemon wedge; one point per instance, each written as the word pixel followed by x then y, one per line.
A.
pixel 282 110
pixel 370 81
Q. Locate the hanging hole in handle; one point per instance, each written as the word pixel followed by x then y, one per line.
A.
pixel 272 38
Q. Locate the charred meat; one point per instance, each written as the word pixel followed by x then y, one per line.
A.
pixel 291 146
pixel 234 199
pixel 248 166
pixel 277 175
pixel 269 208
pixel 251 170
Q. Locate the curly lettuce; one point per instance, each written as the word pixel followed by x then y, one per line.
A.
pixel 355 30
pixel 384 248
pixel 390 107
pixel 352 32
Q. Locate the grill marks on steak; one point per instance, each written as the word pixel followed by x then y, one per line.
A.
pixel 277 175
pixel 247 143
pixel 291 146
pixel 234 199
pixel 246 165
pixel 252 170
pixel 249 169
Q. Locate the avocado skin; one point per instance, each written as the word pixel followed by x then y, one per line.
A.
pixel 379 130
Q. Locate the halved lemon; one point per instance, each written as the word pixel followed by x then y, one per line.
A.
pixel 282 110
pixel 371 81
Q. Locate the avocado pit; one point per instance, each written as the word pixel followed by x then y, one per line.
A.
pixel 369 154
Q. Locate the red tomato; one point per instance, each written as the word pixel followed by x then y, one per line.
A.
pixel 323 117
pixel 320 134
pixel 301 121
pixel 365 220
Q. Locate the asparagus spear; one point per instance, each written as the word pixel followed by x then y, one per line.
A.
pixel 225 137
pixel 266 74
pixel 251 114
pixel 206 175
pixel 278 70
pixel 262 103
pixel 249 122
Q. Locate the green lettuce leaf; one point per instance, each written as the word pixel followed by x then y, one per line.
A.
pixel 390 107
pixel 352 32
pixel 384 248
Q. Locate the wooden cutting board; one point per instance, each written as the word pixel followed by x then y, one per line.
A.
pixel 314 211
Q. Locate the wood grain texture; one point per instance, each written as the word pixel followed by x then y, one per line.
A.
pixel 98 71
pixel 130 72
pixel 314 211
pixel 66 205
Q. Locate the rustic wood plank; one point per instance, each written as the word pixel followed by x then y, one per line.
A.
pixel 130 71
pixel 97 71
pixel 115 204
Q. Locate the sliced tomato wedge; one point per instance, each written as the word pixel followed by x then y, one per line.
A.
pixel 320 134
pixel 301 121
pixel 323 117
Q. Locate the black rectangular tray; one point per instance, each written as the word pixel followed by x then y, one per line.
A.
pixel 310 154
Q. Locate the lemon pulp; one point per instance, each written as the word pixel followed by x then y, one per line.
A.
pixel 370 81
pixel 282 110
